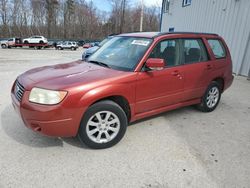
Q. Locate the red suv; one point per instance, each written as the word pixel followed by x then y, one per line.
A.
pixel 130 77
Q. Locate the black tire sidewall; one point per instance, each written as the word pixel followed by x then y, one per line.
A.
pixel 103 106
pixel 203 105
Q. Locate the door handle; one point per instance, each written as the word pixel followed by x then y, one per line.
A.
pixel 209 67
pixel 175 73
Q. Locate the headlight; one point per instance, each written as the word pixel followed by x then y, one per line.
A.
pixel 45 96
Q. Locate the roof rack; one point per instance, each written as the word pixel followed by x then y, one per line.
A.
pixel 179 32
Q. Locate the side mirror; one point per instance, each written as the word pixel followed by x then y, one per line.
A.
pixel 155 64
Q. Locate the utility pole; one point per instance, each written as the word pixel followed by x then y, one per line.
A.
pixel 142 10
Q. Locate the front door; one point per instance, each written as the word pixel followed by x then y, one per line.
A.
pixel 160 88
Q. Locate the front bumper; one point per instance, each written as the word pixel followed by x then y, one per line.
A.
pixel 55 120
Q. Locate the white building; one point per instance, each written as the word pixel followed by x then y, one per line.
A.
pixel 228 18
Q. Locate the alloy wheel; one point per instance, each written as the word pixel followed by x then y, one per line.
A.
pixel 103 127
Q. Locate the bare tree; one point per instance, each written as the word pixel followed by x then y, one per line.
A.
pixel 72 19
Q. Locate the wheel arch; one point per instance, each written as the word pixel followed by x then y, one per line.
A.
pixel 123 96
pixel 220 81
pixel 121 101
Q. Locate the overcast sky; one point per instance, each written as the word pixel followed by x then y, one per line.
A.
pixel 105 5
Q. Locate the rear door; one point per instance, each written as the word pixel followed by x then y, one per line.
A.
pixel 197 66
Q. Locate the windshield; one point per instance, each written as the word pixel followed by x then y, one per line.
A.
pixel 103 42
pixel 121 53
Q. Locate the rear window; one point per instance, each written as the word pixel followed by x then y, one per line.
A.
pixel 217 48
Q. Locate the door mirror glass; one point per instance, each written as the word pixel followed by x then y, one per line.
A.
pixel 155 64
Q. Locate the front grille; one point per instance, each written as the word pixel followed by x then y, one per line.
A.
pixel 19 91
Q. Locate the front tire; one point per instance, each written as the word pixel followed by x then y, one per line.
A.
pixel 103 125
pixel 211 98
pixel 4 46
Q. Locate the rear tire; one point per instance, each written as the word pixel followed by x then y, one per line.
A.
pixel 26 42
pixel 211 98
pixel 103 125
pixel 41 42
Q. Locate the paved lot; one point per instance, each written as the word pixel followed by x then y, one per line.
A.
pixel 181 148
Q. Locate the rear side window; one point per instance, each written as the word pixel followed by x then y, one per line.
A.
pixel 217 48
pixel 194 51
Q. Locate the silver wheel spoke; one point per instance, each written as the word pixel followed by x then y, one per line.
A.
pixel 98 116
pixel 93 131
pixel 107 136
pixel 92 123
pixel 98 138
pixel 112 121
pixel 107 116
pixel 113 129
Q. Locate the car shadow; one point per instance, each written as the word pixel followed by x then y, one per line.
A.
pixel 15 129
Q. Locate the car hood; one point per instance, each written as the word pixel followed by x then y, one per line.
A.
pixel 68 75
pixel 92 49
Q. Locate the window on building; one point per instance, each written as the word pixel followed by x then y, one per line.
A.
pixel 165 6
pixel 194 51
pixel 217 48
pixel 186 3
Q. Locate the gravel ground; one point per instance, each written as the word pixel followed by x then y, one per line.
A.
pixel 181 148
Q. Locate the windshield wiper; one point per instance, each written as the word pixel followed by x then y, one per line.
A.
pixel 100 63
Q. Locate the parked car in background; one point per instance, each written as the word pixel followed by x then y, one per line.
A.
pixel 81 42
pixel 67 45
pixel 91 50
pixel 17 42
pixel 6 43
pixel 133 76
pixel 88 45
pixel 35 39
pixel 51 44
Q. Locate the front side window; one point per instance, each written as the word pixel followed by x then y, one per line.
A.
pixel 217 48
pixel 121 53
pixel 167 50
pixel 194 51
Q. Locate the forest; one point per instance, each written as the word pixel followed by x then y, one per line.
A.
pixel 74 19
